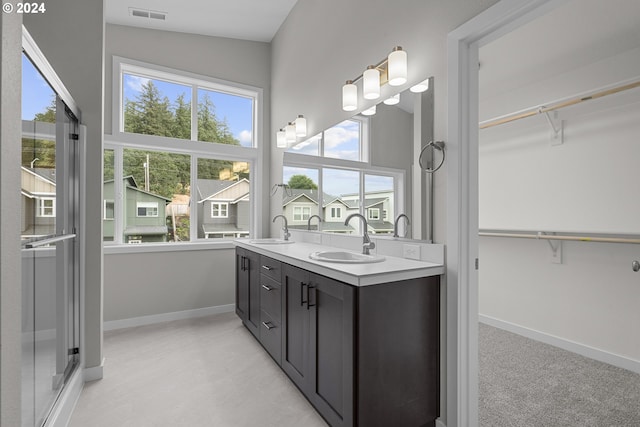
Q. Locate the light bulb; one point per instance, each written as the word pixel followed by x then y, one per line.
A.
pixel 369 111
pixel 397 67
pixel 301 126
pixel 349 96
pixel 290 132
pixel 393 100
pixel 281 139
pixel 420 87
pixel 371 83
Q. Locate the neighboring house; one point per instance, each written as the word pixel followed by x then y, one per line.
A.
pixel 223 208
pixel 38 202
pixel 378 209
pixel 145 214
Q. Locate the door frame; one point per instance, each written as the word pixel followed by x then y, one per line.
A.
pixel 463 45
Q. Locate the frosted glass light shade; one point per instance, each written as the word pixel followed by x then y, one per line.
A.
pixel 281 139
pixel 392 100
pixel 371 83
pixel 420 87
pixel 301 126
pixel 397 67
pixel 290 133
pixel 349 96
pixel 369 111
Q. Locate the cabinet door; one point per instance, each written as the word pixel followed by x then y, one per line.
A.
pixel 331 354
pixel 242 285
pixel 295 325
pixel 252 265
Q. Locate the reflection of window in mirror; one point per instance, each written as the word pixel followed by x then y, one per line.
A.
pixel 379 196
pixel 341 189
pixel 302 199
pixel 346 140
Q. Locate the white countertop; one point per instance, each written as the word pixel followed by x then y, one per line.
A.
pixel 392 269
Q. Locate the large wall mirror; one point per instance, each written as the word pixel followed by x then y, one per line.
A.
pixel 361 165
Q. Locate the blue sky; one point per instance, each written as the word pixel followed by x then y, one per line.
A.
pixel 237 110
pixel 36 92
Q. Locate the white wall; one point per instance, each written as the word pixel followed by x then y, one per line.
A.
pixel 10 261
pixel 584 185
pixel 180 280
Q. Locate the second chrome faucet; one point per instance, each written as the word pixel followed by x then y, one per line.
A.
pixel 367 244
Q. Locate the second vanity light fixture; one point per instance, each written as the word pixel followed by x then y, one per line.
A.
pixel 391 70
pixel 291 132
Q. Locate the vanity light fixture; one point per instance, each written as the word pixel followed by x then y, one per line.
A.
pixel 420 87
pixel 301 126
pixel 392 70
pixel 392 100
pixel 369 111
pixel 281 139
pixel 290 133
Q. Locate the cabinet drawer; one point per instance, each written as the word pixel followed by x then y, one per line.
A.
pixel 270 267
pixel 270 297
pixel 271 335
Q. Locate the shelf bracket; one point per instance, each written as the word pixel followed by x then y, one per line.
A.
pixel 556 249
pixel 557 132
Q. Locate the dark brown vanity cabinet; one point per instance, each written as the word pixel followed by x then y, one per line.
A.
pixel 248 289
pixel 363 356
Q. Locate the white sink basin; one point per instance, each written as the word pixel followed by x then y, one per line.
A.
pixel 270 241
pixel 345 257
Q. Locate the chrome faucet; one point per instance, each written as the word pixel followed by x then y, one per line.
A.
pixel 367 244
pixel 286 226
pixel 309 221
pixel 395 225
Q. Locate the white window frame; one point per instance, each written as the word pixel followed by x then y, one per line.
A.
pixel 119 140
pixel 370 211
pixel 299 213
pixel 220 205
pixel 337 209
pixel 41 208
pixel 146 206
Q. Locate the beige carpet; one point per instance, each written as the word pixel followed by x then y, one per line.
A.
pixel 208 371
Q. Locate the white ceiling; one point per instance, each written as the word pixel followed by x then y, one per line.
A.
pixel 575 34
pixel 256 20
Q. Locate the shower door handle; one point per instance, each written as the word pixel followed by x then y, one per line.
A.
pixel 635 265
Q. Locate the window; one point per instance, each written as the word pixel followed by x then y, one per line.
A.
pixel 301 213
pixel 46 207
pixel 108 209
pixel 347 140
pixel 373 214
pixel 336 212
pixel 147 209
pixel 155 157
pixel 219 210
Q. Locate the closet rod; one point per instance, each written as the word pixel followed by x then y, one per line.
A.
pixel 540 236
pixel 555 106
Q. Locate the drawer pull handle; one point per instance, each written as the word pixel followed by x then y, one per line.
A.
pixel 268 325
pixel 267 288
pixel 266 267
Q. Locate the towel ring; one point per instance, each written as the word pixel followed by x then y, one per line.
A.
pixel 437 145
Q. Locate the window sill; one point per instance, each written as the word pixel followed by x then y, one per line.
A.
pixel 109 249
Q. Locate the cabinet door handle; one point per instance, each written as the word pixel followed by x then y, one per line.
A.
pixel 308 297
pixel 267 288
pixel 268 325
pixel 242 263
pixel 266 267
pixel 247 263
pixel 302 301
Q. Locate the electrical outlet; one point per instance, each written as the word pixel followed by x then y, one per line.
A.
pixel 411 251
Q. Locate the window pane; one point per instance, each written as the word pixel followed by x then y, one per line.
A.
pixel 38 163
pixel 310 147
pixel 156 107
pixel 379 198
pixel 343 141
pixel 223 199
pixel 108 194
pixel 301 199
pixel 156 188
pixel 225 118
pixel 341 189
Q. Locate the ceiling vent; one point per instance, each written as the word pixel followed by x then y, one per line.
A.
pixel 149 14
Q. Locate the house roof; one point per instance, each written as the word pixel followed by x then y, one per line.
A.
pixel 380 226
pixel 209 188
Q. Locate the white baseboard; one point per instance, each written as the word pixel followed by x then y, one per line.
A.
pixel 94 373
pixel 167 317
pixel 574 347
pixel 439 423
pixel 61 414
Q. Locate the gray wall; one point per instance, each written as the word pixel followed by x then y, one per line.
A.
pixel 71 36
pixel 151 283
pixel 181 280
pixel 10 261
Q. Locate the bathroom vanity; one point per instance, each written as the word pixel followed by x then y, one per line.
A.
pixel 360 341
